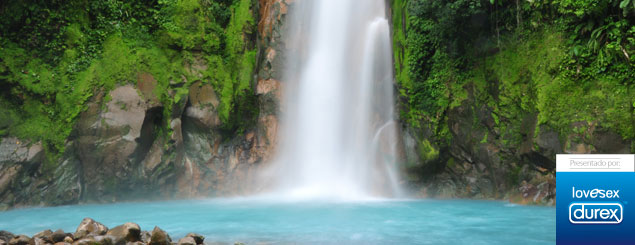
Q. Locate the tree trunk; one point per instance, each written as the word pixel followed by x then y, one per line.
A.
pixel 518 14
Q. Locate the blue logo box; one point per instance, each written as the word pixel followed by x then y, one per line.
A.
pixel 595 201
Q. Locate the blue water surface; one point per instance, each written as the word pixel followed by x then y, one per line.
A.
pixel 371 222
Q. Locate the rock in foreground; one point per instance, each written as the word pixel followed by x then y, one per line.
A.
pixel 91 232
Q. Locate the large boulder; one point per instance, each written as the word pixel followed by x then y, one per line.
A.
pixel 203 106
pixel 39 241
pixel 145 236
pixel 113 139
pixel 130 232
pixel 187 241
pixel 159 237
pixel 109 240
pixel 197 237
pixel 59 236
pixel 14 150
pixel 21 240
pixel 85 241
pixel 67 239
pixel 6 236
pixel 89 227
pixel 45 235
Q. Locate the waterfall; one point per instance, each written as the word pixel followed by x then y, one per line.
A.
pixel 338 136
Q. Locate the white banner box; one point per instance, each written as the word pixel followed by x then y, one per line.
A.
pixel 595 163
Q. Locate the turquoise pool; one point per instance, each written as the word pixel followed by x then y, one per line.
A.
pixel 257 221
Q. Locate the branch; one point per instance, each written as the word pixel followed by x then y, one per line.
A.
pixel 625 53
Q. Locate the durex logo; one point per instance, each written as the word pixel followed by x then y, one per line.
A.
pixel 596 213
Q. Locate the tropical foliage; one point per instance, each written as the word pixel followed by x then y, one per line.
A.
pixel 565 60
pixel 56 54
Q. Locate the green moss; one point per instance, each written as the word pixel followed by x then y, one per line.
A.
pixel 509 81
pixel 232 76
pixel 606 102
pixel 240 19
pixel 496 119
pixel 451 163
pixel 118 64
pixel 484 139
pixel 458 95
pixel 400 25
pixel 74 35
pixel 185 25
pixel 529 80
pixel 427 152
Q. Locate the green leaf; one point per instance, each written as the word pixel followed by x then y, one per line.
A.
pixel 623 4
pixel 492 1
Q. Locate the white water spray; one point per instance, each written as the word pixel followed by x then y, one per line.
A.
pixel 338 138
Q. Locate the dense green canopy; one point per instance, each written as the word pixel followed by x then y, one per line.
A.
pixel 565 60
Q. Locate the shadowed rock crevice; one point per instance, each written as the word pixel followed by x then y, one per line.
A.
pixel 150 130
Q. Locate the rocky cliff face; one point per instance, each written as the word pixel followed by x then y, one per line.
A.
pixel 120 149
pixel 485 110
pixel 26 178
pixel 483 160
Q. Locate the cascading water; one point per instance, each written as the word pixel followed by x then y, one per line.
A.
pixel 338 136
